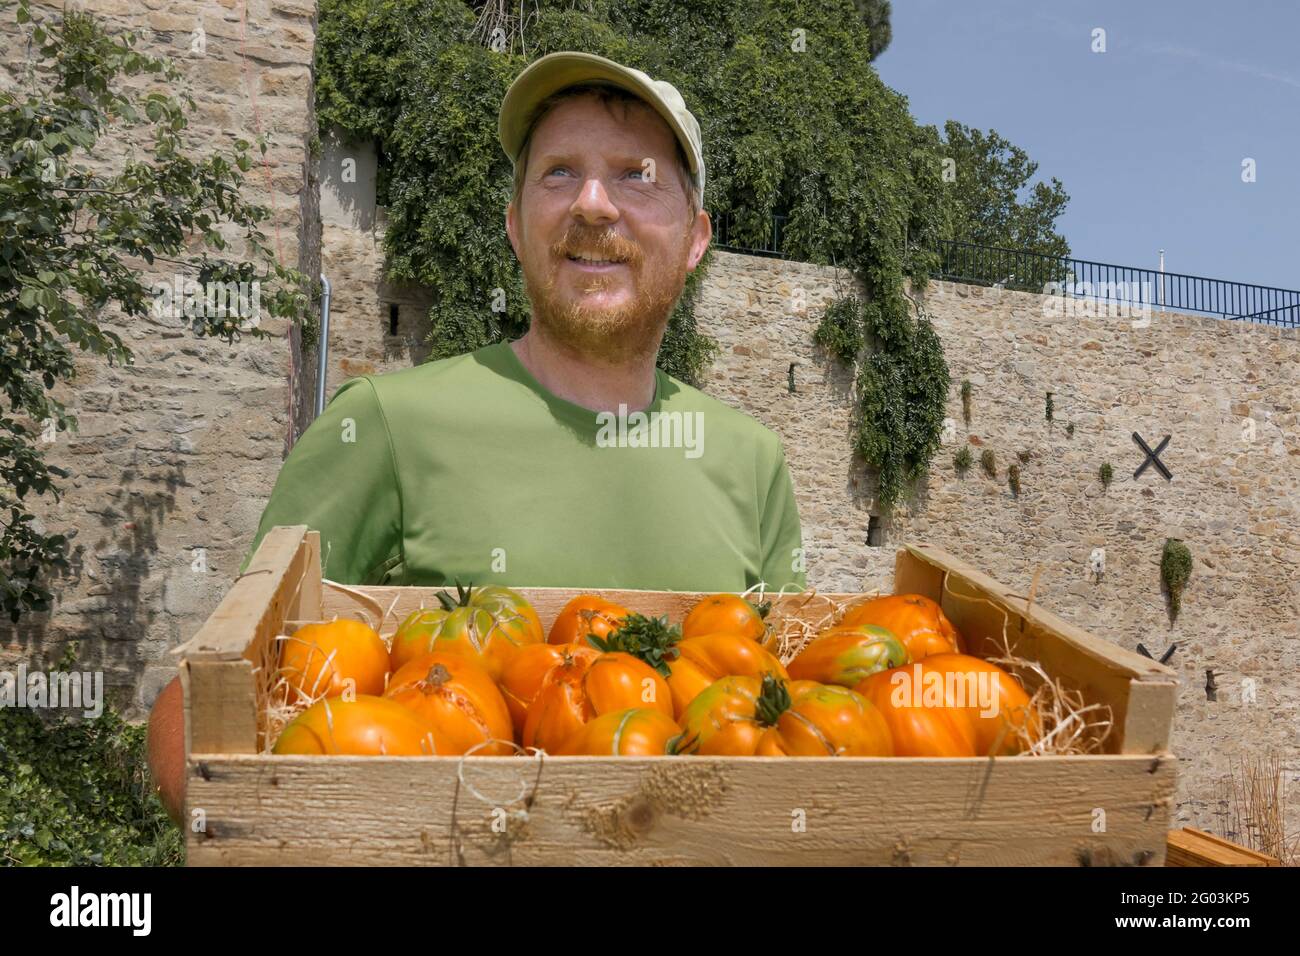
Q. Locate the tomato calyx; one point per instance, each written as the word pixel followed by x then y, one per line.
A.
pixel 763 609
pixel 463 595
pixel 651 640
pixel 773 701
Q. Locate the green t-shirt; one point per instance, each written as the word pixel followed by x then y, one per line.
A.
pixel 468 468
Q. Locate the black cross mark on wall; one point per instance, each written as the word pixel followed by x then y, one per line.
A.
pixel 1164 658
pixel 1153 457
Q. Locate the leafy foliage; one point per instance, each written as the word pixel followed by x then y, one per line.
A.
pixel 875 16
pixel 840 329
pixel 991 199
pixel 1175 570
pixel 1105 474
pixel 72 238
pixel 77 792
pixel 962 460
pixel 902 385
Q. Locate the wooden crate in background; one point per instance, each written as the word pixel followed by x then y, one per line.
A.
pixel 257 808
pixel 1192 847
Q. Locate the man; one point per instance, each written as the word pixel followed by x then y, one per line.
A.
pixel 564 458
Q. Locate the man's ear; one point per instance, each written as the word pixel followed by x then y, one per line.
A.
pixel 701 236
pixel 512 227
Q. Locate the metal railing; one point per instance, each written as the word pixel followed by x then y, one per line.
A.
pixel 722 237
pixel 1100 282
pixel 1109 284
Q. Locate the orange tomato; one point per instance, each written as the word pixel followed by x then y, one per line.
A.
pixel 848 655
pixel 914 619
pixel 584 617
pixel 486 625
pixel 365 727
pixel 727 614
pixel 458 700
pixel 324 660
pixel 165 740
pixel 637 732
pixel 707 658
pixel 919 729
pixel 522 678
pixel 993 700
pixel 587 684
pixel 749 716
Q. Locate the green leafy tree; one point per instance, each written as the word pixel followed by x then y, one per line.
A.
pixel 875 16
pixel 992 198
pixel 75 240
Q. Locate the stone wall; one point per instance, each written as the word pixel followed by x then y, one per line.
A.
pixel 176 454
pixel 1227 392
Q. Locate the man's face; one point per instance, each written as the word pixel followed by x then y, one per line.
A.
pixel 588 192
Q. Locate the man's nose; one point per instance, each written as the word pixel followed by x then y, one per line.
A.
pixel 593 203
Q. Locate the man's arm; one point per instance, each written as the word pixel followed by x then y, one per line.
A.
pixel 341 479
pixel 781 536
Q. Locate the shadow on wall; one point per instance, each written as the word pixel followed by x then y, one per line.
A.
pixel 108 604
pixel 348 174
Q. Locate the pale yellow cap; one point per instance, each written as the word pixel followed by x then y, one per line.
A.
pixel 556 71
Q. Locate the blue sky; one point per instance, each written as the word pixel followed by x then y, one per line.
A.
pixel 1149 137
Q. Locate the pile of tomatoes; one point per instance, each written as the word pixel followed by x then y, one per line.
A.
pixel 478 674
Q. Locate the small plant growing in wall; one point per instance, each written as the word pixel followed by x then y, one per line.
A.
pixel 1106 474
pixel 902 384
pixel 1175 569
pixel 1013 479
pixel 1069 430
pixel 840 331
pixel 965 400
pixel 989 463
pixel 962 460
pixel 1024 456
pixel 1049 407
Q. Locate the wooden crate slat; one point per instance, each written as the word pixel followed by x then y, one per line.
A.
pixel 281 581
pixel 686 810
pixel 1104 654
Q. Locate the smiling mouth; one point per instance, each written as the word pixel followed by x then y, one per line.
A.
pixel 593 262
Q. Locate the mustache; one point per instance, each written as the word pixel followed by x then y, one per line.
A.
pixel 604 244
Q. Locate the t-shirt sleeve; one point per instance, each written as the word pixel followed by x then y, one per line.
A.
pixel 781 536
pixel 340 479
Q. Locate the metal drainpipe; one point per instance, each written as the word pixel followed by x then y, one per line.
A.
pixel 324 344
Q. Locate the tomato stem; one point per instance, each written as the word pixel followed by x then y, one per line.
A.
pixel 463 595
pixel 773 701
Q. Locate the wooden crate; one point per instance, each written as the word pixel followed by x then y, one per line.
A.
pixel 247 807
pixel 1192 847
